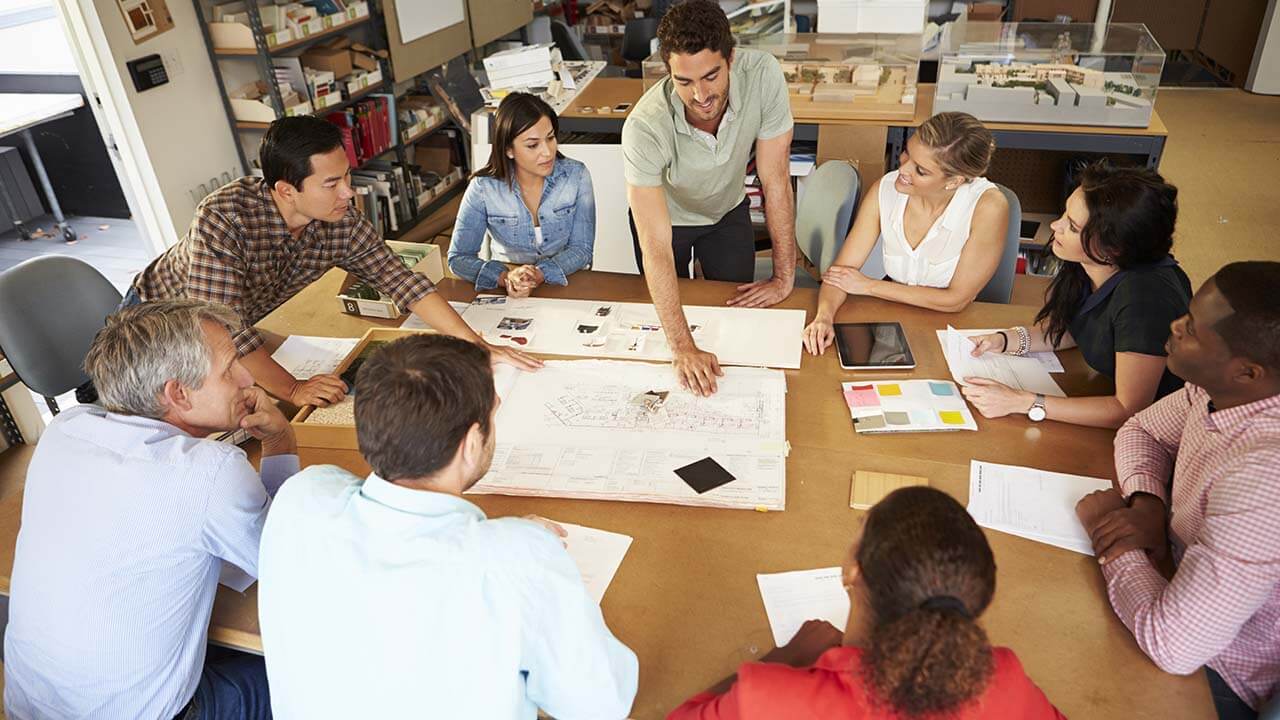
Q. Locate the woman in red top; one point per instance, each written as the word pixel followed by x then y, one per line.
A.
pixel 918 579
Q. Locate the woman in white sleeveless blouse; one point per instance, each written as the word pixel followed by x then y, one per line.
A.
pixel 943 224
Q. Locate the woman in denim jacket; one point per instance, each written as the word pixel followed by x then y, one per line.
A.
pixel 536 204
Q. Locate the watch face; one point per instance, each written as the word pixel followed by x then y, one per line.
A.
pixel 1036 414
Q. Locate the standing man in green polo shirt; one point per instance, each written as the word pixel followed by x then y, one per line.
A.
pixel 685 150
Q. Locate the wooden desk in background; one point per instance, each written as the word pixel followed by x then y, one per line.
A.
pixel 813 122
pixel 685 598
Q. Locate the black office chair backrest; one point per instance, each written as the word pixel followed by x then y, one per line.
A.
pixel 570 47
pixel 636 38
pixel 50 309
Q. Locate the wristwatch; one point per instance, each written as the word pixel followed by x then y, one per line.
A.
pixel 1036 412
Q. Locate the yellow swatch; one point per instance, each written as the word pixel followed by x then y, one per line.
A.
pixel 888 390
pixel 951 417
pixel 870 488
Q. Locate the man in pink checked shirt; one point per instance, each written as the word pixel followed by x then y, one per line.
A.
pixel 1199 475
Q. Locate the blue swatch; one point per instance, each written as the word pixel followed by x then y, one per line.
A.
pixel 943 389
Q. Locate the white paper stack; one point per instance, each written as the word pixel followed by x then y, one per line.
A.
pixel 1033 504
pixel 306 356
pixel 528 66
pixel 1018 372
pixel 791 598
pixel 598 555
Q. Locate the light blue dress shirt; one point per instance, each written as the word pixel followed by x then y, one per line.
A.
pixel 127 524
pixel 566 215
pixel 379 601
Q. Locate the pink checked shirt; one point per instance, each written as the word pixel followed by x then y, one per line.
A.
pixel 1222 608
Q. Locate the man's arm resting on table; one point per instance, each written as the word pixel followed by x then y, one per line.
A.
pixel 1225 576
pixel 773 163
pixel 696 369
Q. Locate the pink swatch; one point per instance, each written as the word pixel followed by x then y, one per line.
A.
pixel 861 396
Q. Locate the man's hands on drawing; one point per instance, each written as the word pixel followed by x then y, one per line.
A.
pixel 696 369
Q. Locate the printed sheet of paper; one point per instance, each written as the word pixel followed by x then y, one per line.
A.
pixel 1048 359
pixel 614 430
pixel 306 356
pixel 738 336
pixel 1019 373
pixel 413 322
pixel 1034 504
pixel 597 553
pixel 791 598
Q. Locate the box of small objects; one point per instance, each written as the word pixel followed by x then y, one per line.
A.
pixel 360 298
pixel 333 427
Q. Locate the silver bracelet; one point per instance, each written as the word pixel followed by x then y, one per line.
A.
pixel 1024 341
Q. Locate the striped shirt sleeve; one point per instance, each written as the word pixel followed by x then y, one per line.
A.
pixel 1147 445
pixel 372 261
pixel 1223 579
pixel 217 271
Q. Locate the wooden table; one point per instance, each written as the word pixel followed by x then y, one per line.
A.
pixel 685 598
pixel 809 118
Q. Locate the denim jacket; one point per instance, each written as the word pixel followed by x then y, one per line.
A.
pixel 566 213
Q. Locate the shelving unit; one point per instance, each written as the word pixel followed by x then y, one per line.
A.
pixel 371 31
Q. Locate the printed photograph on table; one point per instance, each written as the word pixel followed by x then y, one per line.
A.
pixel 907 406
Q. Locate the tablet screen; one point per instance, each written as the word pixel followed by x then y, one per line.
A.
pixel 872 345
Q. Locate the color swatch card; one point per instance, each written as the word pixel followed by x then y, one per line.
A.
pixel 907 406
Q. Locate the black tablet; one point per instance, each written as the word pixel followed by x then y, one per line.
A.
pixel 873 346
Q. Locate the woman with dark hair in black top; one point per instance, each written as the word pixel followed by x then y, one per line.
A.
pixel 1114 297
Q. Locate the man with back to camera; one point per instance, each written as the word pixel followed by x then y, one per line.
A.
pixel 1190 543
pixel 256 242
pixel 130 519
pixel 685 150
pixel 441 611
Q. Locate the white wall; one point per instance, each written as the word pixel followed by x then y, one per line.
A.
pixel 179 130
pixel 1264 75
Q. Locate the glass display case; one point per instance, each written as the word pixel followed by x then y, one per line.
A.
pixel 1062 73
pixel 834 76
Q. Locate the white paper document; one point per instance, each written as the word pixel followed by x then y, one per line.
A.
pixel 615 430
pixel 791 598
pixel 1034 504
pixel 306 356
pixel 1019 373
pixel 413 322
pixel 597 553
pixel 632 331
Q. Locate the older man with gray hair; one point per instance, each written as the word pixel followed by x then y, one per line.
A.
pixel 130 519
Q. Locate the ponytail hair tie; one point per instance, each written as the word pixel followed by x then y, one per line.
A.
pixel 946 602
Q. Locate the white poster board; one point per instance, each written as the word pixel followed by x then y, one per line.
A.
pixel 419 19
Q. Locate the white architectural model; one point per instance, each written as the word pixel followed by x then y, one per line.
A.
pixel 1112 83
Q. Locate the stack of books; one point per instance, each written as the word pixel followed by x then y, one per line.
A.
pixel 368 128
pixel 522 67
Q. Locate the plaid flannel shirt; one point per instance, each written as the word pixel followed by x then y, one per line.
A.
pixel 240 253
pixel 1219 473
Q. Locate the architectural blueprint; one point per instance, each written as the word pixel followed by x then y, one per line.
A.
pixel 616 430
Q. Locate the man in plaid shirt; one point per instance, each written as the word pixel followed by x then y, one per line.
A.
pixel 1200 471
pixel 255 243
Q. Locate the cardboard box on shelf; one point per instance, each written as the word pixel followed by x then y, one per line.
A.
pixel 435 154
pixel 324 57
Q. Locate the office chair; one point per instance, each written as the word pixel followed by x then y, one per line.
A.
pixel 824 213
pixel 571 47
pixel 50 310
pixel 636 41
